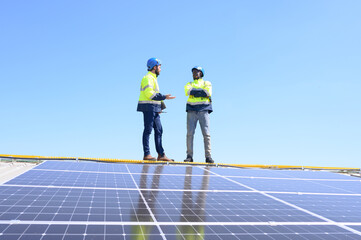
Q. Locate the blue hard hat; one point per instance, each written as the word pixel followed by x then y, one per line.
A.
pixel 200 69
pixel 152 62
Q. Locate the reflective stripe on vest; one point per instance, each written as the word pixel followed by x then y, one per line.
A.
pixel 151 102
pixel 199 103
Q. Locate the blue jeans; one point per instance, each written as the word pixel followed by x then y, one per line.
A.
pixel 152 120
pixel 192 118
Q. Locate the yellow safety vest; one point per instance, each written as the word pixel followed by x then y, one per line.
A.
pixel 199 103
pixel 148 89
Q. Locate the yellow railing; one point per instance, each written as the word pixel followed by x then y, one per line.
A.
pixel 29 157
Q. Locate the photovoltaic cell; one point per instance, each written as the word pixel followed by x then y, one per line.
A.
pixel 256 232
pixel 72 232
pixel 66 204
pixel 337 208
pixel 89 200
pixel 315 175
pixel 83 166
pixel 247 172
pixel 77 232
pixel 151 181
pixel 312 186
pixel 224 207
pixel 74 179
pixel 267 173
pixel 166 169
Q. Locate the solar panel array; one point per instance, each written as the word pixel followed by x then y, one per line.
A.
pixel 90 200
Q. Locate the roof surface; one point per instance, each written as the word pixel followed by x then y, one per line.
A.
pixel 9 170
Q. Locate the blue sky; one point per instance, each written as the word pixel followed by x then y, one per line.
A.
pixel 286 78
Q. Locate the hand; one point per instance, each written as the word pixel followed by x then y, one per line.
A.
pixel 169 96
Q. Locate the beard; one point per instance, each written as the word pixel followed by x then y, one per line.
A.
pixel 157 72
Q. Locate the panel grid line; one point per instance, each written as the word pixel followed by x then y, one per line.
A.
pixel 297 179
pixel 290 204
pixel 183 190
pixel 146 204
pixel 174 174
pixel 220 206
pixel 270 223
pixel 122 173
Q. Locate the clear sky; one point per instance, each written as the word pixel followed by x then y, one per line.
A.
pixel 286 78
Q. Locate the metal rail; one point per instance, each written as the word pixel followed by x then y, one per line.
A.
pixel 351 171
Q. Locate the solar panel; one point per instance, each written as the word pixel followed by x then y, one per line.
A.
pixel 82 166
pixel 304 185
pixel 92 200
pixel 340 208
pixel 74 179
pixel 287 174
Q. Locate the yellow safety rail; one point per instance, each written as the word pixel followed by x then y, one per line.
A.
pixel 28 157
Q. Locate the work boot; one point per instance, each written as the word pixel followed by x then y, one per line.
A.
pixel 188 159
pixel 209 160
pixel 164 158
pixel 149 158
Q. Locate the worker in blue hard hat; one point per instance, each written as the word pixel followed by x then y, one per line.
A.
pixel 199 106
pixel 151 104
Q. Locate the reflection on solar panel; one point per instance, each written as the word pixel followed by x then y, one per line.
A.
pixel 88 200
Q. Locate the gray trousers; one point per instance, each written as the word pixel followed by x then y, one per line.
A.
pixel 192 118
